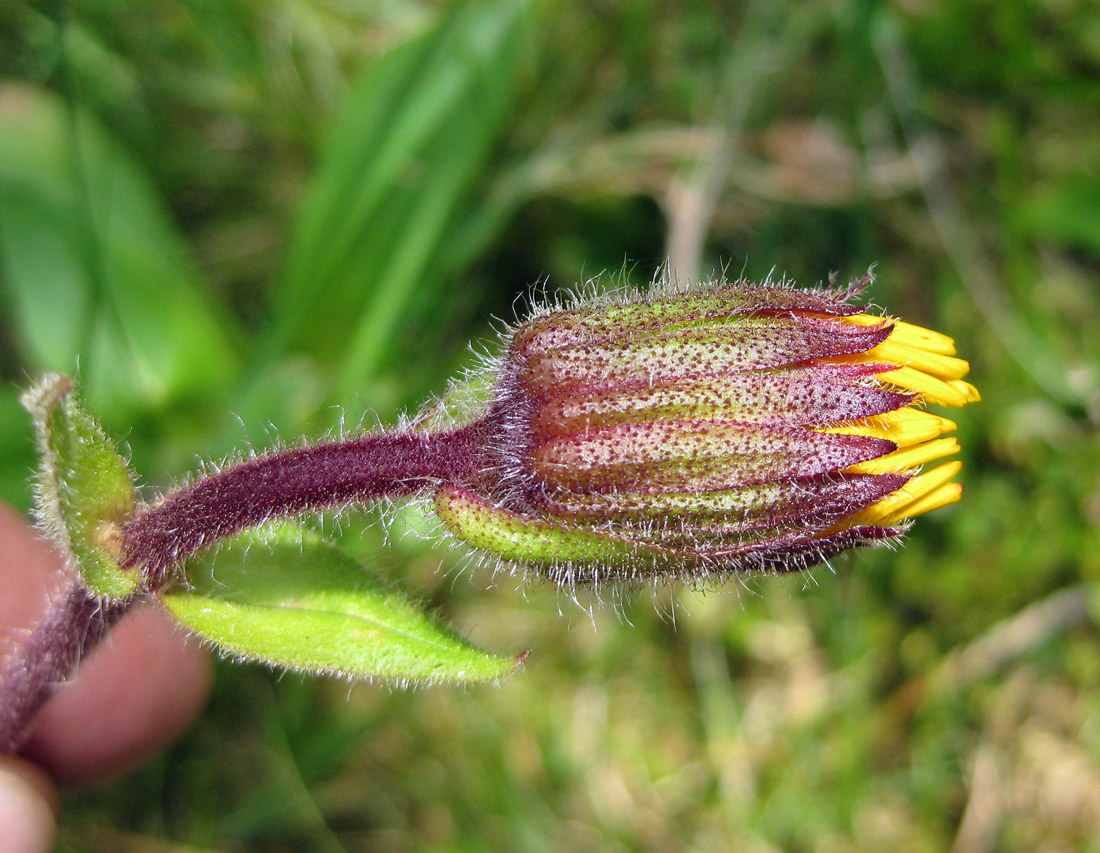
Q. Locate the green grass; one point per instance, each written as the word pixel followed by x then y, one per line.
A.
pixel 245 218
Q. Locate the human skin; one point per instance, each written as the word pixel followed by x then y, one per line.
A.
pixel 134 694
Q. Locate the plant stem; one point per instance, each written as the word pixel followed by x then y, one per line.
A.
pixel 289 482
pixel 74 625
pixel 160 536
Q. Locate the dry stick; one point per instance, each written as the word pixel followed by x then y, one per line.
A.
pixel 950 222
pixel 1003 643
pixel 691 200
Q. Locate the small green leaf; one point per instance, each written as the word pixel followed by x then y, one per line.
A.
pixel 84 486
pixel 545 542
pixel 284 596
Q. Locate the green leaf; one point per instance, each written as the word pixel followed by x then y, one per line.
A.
pixel 393 193
pixel 94 267
pixel 84 487
pixel 282 595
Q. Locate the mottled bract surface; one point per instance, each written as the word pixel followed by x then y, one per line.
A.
pixel 713 430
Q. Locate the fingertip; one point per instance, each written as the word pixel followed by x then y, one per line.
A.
pixel 135 694
pixel 28 807
pixel 33 569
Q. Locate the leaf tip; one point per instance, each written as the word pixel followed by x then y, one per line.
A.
pixel 47 393
pixel 84 489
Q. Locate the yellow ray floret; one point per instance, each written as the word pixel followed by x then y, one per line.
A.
pixel 932 389
pixel 921 338
pixel 924 493
pixel 907 458
pixel 924 359
pixel 905 426
pixel 924 364
pixel 907 333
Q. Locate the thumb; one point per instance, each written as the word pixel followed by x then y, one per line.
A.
pixel 28 801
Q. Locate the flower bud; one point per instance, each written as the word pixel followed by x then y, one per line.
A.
pixel 725 429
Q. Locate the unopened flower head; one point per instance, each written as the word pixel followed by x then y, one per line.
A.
pixel 729 428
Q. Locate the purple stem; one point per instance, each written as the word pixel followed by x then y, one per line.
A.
pixel 289 482
pixel 77 621
pixel 160 536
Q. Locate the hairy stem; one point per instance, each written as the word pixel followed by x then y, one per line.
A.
pixel 160 536
pixel 75 624
pixel 289 482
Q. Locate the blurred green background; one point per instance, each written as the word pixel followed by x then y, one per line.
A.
pixel 241 221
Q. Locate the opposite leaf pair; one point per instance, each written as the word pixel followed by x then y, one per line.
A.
pixel 278 594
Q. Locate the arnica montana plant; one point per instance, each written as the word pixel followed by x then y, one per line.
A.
pixel 684 434
pixel 727 429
